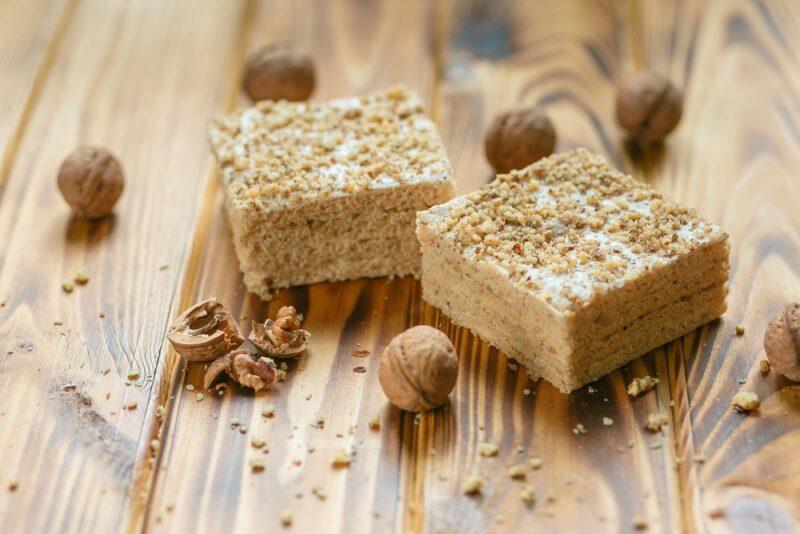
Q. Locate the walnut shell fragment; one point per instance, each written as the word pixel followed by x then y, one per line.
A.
pixel 782 342
pixel 205 332
pixel 281 338
pixel 241 366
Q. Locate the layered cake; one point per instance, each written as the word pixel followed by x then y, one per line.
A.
pixel 572 267
pixel 329 191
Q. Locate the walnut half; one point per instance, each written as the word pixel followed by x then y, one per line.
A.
pixel 283 337
pixel 241 366
pixel 205 332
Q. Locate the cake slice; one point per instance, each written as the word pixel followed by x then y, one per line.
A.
pixel 571 267
pixel 329 191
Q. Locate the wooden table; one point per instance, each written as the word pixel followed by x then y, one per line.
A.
pixel 144 77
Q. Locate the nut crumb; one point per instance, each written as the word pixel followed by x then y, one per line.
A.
pixel 81 277
pixel 579 429
pixel 199 397
pixel 257 465
pixel 527 494
pixel 641 385
pixel 639 522
pixel 342 459
pixel 375 423
pixel 130 405
pixel 68 286
pixel 268 411
pixel 286 518
pixel 765 366
pixel 607 421
pixel 745 401
pixel 487 449
pixel 517 471
pixel 319 492
pixel 13 484
pixel 535 463
pixel 189 387
pixel 133 375
pixel 155 445
pixel 257 442
pixel 655 421
pixel 360 353
pixel 739 330
pixel 473 485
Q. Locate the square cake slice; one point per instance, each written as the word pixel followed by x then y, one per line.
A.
pixel 327 191
pixel 571 267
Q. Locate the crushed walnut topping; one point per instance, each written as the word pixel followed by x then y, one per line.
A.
pixel 278 153
pixel 570 227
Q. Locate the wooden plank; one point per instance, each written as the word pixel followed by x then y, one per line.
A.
pixel 30 33
pixel 141 78
pixel 204 481
pixel 564 56
pixel 735 157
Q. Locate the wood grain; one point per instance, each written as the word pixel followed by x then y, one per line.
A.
pixel 140 78
pixel 29 34
pixel 204 480
pixel 143 78
pixel 735 158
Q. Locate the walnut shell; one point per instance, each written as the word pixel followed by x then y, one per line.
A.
pixel 279 72
pixel 205 332
pixel 418 369
pixel 91 181
pixel 649 107
pixel 518 138
pixel 782 342
pixel 241 367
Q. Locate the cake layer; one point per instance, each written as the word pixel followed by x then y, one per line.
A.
pixel 509 323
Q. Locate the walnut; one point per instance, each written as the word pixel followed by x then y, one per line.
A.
pixel 648 107
pixel 283 337
pixel 91 181
pixel 782 342
pixel 242 367
pixel 418 369
pixel 278 71
pixel 205 332
pixel 519 137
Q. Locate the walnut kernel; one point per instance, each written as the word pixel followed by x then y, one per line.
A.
pixel 519 137
pixel 782 342
pixel 283 337
pixel 418 369
pixel 241 366
pixel 91 181
pixel 278 71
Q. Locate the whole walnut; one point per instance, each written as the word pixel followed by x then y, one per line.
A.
pixel 782 342
pixel 518 138
pixel 418 369
pixel 649 107
pixel 279 72
pixel 91 181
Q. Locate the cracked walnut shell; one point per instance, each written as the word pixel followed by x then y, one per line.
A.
pixel 241 366
pixel 91 181
pixel 418 369
pixel 281 338
pixel 782 342
pixel 205 332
